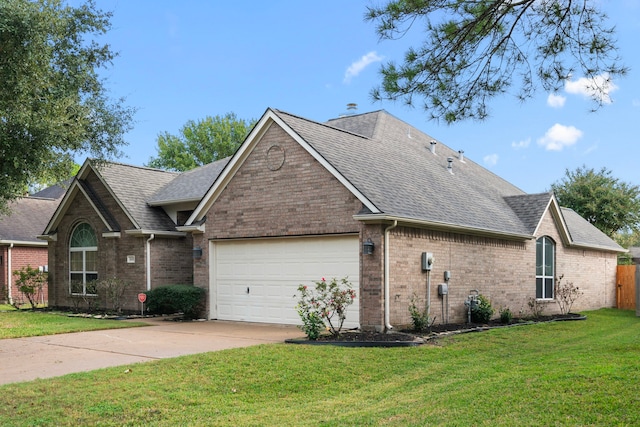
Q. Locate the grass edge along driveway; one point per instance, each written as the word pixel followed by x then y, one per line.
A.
pixel 561 373
pixel 27 323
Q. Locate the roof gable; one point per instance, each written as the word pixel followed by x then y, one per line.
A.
pixel 130 187
pixel 398 173
pixel 269 118
pixel 389 166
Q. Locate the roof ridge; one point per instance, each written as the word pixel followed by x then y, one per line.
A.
pixel 322 124
pixel 110 162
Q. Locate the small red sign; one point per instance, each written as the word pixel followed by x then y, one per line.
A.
pixel 142 297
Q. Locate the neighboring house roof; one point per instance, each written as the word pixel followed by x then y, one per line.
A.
pixel 189 186
pixel 634 251
pixel 25 220
pixel 388 165
pixel 55 191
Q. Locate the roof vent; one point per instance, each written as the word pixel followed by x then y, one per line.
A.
pixel 432 148
pixel 450 165
pixel 352 107
pixel 461 155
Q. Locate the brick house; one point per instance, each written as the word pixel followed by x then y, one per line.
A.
pixel 362 196
pixel 19 245
pixel 108 226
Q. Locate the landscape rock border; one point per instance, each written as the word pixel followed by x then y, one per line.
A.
pixel 414 340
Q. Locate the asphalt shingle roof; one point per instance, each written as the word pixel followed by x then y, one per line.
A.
pixel 133 186
pixel 391 164
pixel 27 218
pixel 189 186
pixel 584 233
pixel 398 173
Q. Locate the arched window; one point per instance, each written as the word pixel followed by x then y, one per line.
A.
pixel 545 267
pixel 83 260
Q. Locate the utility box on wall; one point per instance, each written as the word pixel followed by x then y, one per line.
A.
pixel 443 289
pixel 427 261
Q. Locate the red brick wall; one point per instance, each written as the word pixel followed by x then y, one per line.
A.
pixel 21 256
pixel 300 198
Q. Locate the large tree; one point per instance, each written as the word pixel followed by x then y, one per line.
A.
pixel 475 50
pixel 53 103
pixel 201 142
pixel 606 202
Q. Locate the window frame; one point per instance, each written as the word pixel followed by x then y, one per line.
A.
pixel 543 276
pixel 84 272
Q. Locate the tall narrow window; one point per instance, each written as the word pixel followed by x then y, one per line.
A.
pixel 83 251
pixel 545 267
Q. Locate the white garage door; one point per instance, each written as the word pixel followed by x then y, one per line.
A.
pixel 256 280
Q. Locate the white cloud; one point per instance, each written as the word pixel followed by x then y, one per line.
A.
pixel 556 101
pixel 559 136
pixel 356 68
pixel 599 87
pixel 521 144
pixel 490 160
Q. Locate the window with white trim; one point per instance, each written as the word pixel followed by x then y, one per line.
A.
pixel 83 260
pixel 545 267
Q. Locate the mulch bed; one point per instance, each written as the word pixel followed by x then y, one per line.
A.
pixel 409 338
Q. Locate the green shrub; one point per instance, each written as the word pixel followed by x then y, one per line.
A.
pixel 419 318
pixel 483 311
pixel 506 316
pixel 185 299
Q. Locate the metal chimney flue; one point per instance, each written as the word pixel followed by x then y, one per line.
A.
pixel 432 147
pixel 450 164
pixel 461 155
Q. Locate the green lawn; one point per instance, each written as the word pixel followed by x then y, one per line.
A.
pixel 579 373
pixel 27 323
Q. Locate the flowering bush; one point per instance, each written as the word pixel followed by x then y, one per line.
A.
pixel 324 306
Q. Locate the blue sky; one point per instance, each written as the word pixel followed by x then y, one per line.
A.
pixel 190 59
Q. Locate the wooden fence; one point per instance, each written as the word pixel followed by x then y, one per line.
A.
pixel 626 286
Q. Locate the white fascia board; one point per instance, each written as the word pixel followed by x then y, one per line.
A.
pixel 436 225
pixel 554 209
pixel 162 233
pixel 598 248
pixel 49 237
pixel 243 152
pixel 111 234
pixel 230 169
pixel 196 229
pixel 22 243
pixel 328 166
pixel 62 207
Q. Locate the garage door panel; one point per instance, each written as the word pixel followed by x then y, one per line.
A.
pixel 273 269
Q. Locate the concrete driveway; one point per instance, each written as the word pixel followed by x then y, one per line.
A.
pixel 25 359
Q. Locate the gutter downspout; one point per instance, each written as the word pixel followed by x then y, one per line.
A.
pixel 387 314
pixel 148 248
pixel 9 274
